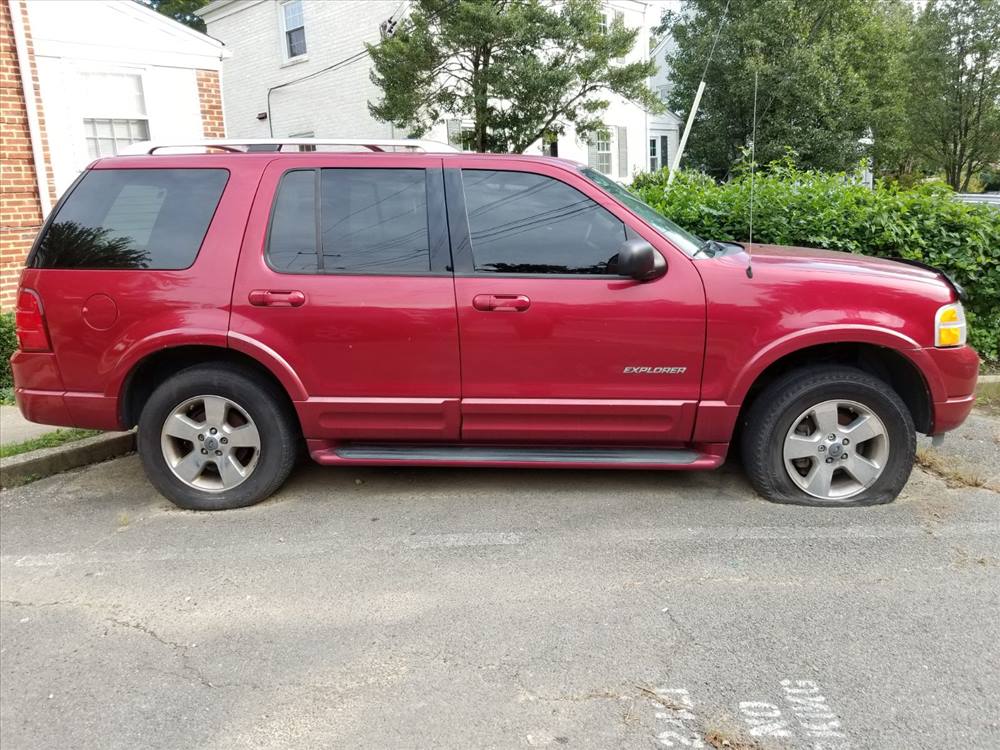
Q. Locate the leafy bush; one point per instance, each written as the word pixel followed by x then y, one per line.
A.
pixel 8 343
pixel 835 211
pixel 990 178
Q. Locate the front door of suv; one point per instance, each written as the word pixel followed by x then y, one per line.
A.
pixel 555 347
pixel 344 288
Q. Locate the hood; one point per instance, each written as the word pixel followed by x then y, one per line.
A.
pixel 813 260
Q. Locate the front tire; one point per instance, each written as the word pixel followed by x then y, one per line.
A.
pixel 216 437
pixel 831 437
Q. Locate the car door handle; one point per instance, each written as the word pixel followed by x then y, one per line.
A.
pixel 274 298
pixel 501 302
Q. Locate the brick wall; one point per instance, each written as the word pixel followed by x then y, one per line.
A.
pixel 20 210
pixel 210 98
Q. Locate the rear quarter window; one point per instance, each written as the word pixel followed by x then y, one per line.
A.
pixel 153 219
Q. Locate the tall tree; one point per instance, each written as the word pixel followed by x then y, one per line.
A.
pixel 520 69
pixel 955 87
pixel 830 72
pixel 179 10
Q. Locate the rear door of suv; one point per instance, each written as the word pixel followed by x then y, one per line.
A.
pixel 344 283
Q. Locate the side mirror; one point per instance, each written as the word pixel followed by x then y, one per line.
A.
pixel 638 260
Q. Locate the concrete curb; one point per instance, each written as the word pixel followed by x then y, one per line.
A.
pixel 989 379
pixel 27 467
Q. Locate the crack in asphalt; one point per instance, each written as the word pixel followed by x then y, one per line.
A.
pixel 57 603
pixel 180 649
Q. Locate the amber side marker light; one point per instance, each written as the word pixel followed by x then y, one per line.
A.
pixel 949 326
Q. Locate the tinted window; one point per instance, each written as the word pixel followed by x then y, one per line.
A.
pixel 683 239
pixel 529 223
pixel 133 218
pixel 372 221
pixel 292 246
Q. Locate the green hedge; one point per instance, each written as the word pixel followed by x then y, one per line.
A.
pixel 8 343
pixel 835 211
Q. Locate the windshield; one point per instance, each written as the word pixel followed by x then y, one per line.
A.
pixel 686 241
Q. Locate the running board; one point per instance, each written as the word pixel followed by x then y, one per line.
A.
pixel 463 454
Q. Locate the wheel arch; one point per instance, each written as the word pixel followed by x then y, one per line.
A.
pixel 889 364
pixel 152 370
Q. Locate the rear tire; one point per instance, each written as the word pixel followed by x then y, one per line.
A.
pixel 216 437
pixel 829 437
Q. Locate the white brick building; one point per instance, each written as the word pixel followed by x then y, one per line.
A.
pixel 275 42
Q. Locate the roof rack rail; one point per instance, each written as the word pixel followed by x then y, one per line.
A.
pixel 246 145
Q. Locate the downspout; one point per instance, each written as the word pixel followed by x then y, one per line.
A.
pixel 222 91
pixel 28 88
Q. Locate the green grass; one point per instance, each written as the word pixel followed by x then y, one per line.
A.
pixel 988 398
pixel 48 440
pixel 7 396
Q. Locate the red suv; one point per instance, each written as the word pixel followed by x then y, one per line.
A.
pixel 389 308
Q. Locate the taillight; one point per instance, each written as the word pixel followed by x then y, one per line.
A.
pixel 29 322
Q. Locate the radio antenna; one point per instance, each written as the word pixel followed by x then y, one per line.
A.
pixel 753 165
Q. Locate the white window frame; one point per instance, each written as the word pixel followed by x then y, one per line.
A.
pixel 602 148
pixel 460 133
pixel 133 128
pixel 468 133
pixel 654 153
pixel 93 109
pixel 286 57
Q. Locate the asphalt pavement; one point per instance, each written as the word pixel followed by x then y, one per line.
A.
pixel 445 608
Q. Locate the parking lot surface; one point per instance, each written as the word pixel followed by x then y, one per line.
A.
pixel 433 608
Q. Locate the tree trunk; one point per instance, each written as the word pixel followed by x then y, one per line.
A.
pixel 480 97
pixel 966 180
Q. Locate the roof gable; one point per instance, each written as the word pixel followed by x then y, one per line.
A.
pixel 95 28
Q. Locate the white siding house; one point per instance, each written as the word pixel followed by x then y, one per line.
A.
pixel 276 42
pixel 81 79
pixel 111 73
pixel 664 130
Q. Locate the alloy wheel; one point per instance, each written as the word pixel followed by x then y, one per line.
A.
pixel 210 443
pixel 836 449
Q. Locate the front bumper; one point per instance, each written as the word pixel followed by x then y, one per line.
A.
pixel 951 413
pixel 956 372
